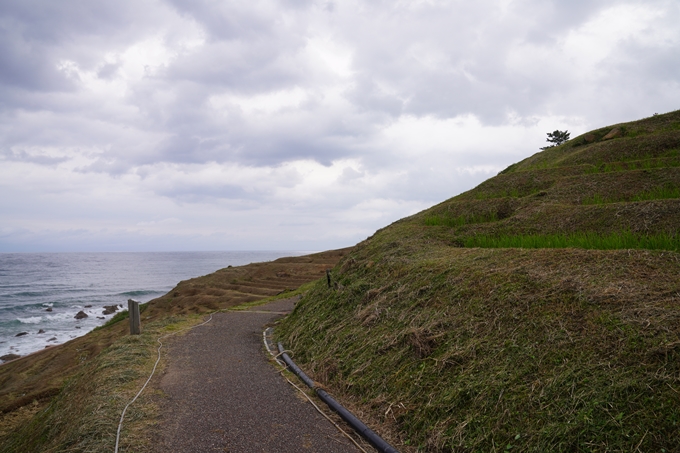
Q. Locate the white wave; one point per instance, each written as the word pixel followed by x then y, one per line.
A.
pixel 31 320
pixel 36 342
pixel 60 317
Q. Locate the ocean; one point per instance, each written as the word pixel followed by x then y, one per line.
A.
pixel 41 293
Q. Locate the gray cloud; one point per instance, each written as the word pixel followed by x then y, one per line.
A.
pixel 447 61
pixel 36 35
pixel 350 113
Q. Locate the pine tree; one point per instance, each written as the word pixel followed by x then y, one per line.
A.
pixel 556 138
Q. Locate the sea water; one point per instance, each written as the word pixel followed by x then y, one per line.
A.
pixel 41 293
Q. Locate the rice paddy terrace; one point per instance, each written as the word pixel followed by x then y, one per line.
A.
pixel 539 311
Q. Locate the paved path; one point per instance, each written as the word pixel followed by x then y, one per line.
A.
pixel 222 394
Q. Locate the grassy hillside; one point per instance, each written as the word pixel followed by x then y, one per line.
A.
pixel 70 397
pixel 538 312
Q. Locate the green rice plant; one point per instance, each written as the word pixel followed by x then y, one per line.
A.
pixel 584 240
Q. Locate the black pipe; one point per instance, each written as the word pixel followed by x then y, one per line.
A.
pixel 346 415
pixel 301 374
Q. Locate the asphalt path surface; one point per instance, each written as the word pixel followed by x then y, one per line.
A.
pixel 222 394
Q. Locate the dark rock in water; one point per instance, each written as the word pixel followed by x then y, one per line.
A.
pixel 81 314
pixel 53 339
pixel 41 331
pixel 77 327
pixel 100 317
pixel 48 309
pixel 8 357
pixel 110 309
pixel 21 334
pixel 88 306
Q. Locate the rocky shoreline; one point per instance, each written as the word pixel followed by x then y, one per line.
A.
pixel 106 310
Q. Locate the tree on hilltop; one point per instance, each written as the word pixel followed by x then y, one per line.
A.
pixel 556 138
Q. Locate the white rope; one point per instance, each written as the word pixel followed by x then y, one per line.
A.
pixel 276 357
pixel 122 416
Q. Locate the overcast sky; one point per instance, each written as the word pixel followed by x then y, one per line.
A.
pixel 142 125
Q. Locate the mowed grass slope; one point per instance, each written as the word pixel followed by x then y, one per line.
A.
pixel 537 312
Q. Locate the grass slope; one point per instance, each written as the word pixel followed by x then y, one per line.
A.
pixel 449 339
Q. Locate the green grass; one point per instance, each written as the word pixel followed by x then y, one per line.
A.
pixel 651 137
pixel 648 163
pixel 583 240
pixel 659 193
pixel 665 192
pixel 512 193
pixel 597 199
pixel 477 349
pixel 121 315
pixel 442 220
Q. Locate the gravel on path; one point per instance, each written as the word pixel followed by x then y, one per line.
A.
pixel 221 394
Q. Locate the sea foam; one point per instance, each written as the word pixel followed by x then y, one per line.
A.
pixel 31 320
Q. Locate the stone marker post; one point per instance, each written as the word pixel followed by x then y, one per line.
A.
pixel 135 322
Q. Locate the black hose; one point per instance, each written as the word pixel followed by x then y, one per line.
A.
pixel 346 415
pixel 301 374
